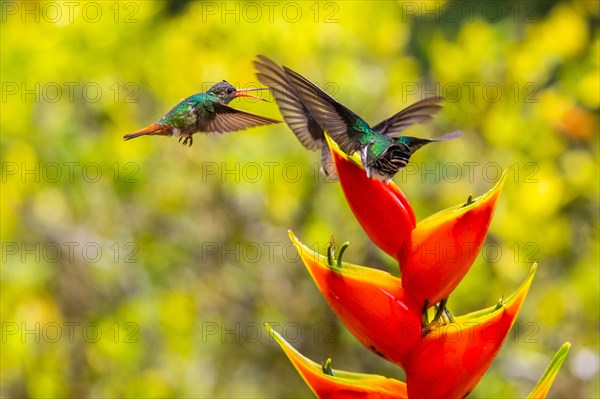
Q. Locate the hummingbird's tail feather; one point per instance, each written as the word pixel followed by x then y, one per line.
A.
pixel 414 143
pixel 452 135
pixel 153 130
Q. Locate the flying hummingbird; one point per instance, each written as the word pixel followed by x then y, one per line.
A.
pixel 383 151
pixel 205 113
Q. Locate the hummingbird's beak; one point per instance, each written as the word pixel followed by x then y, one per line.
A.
pixel 242 92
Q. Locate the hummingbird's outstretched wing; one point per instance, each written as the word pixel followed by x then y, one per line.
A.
pixel 225 119
pixel 344 126
pixel 295 114
pixel 419 112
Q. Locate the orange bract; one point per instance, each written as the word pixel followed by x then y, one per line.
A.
pixel 370 302
pixel 442 247
pixel 342 384
pixel 450 360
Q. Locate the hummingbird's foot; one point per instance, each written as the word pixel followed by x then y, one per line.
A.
pixel 187 140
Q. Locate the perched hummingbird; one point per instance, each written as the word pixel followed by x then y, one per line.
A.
pixel 206 113
pixel 383 151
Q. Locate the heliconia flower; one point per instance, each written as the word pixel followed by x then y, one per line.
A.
pixel 443 247
pixel 451 359
pixel 382 210
pixel 371 303
pixel 444 358
pixel 545 383
pixel 330 383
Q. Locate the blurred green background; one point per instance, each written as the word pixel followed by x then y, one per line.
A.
pixel 146 269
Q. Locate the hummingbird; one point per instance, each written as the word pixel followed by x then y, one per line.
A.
pixel 382 149
pixel 205 113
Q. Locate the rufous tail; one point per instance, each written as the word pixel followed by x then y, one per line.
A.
pixel 153 130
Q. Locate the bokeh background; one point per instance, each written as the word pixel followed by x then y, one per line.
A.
pixel 146 269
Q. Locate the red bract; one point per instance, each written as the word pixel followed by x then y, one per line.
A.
pixel 450 360
pixel 442 247
pixel 382 210
pixel 371 303
pixel 342 384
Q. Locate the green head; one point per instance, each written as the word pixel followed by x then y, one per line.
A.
pixel 226 92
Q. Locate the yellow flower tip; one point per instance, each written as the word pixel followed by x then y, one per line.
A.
pixel 488 199
pixel 295 357
pixel 332 144
pixel 499 186
pixel 502 180
pixel 269 328
pixel 562 352
pixel 514 301
pixel 303 365
pixel 335 149
pixel 522 291
pixel 293 238
pixel 278 338
pixel 493 192
pixel 302 249
pixel 545 383
pixel 533 270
